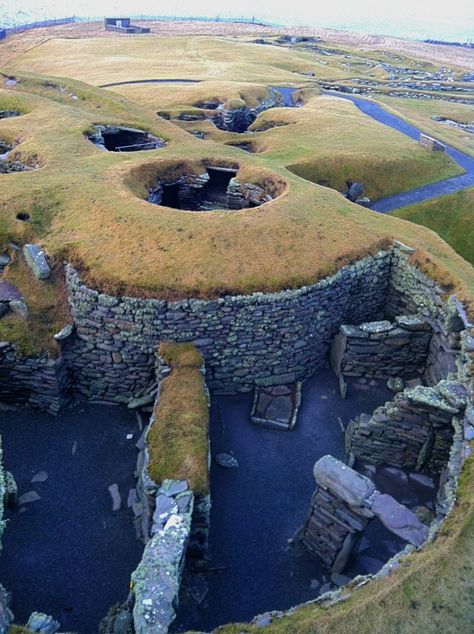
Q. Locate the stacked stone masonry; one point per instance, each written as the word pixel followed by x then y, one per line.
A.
pixel 259 339
pixel 262 339
pixel 382 349
pixel 344 503
pixel 37 381
pixel 414 431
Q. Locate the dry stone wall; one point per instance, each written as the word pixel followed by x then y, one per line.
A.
pixel 37 381
pixel 414 431
pixel 382 349
pixel 411 292
pixel 344 503
pixel 263 339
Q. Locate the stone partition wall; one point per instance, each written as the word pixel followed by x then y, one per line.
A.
pixel 414 431
pixel 411 292
pixel 39 381
pixel 263 339
pixel 344 503
pixel 382 349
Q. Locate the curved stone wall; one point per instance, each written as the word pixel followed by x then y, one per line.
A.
pixel 264 338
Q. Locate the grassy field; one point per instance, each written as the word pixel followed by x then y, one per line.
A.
pixel 304 234
pixel 452 217
pixel 101 61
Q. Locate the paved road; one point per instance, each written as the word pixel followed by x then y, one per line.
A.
pixel 150 81
pixel 68 554
pixel 426 192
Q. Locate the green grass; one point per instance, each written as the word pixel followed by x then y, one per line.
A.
pixel 451 216
pixel 178 435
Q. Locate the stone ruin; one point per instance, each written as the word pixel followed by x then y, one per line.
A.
pixel 6 114
pixel 121 139
pixel 216 188
pixel 343 505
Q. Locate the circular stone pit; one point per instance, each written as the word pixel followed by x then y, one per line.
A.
pixel 205 186
pixel 110 138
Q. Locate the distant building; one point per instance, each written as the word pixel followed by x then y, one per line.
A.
pixel 122 25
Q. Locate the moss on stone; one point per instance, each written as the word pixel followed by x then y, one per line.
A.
pixel 178 435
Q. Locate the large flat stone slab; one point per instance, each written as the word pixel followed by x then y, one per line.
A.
pixel 276 407
pixel 9 293
pixel 352 487
pixel 399 519
pixel 36 259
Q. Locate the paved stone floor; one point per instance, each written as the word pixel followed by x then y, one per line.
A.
pixel 257 507
pixel 68 554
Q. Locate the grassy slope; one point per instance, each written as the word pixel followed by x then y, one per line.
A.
pixel 452 217
pixel 74 213
pixel 419 112
pixel 100 61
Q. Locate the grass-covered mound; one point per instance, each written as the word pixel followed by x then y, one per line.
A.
pixel 178 435
pixel 84 209
pixel 451 216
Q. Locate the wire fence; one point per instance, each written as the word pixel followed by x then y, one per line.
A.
pixel 17 28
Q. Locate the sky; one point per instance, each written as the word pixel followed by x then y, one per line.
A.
pixel 419 19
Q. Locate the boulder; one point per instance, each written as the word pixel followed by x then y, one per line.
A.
pixel 36 259
pixel 9 293
pixel 43 623
pixel 354 191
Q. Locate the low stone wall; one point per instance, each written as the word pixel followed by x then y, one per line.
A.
pixel 172 520
pixel 37 381
pixel 430 143
pixel 337 516
pixel 259 339
pixel 382 349
pixel 344 503
pixel 414 431
pixel 411 292
pixel 156 581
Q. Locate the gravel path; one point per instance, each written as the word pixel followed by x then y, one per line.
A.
pixel 68 554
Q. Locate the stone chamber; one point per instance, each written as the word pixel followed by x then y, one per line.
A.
pixel 207 186
pixel 121 139
pixel 379 321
